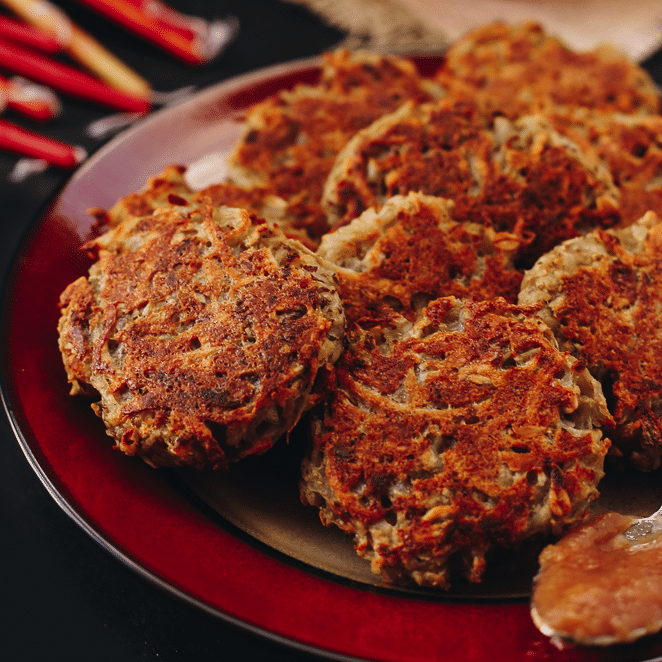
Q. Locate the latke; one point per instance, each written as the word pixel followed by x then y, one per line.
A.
pixel 155 193
pixel 170 188
pixel 465 430
pixel 412 251
pixel 202 331
pixel 629 146
pixel 291 139
pixel 520 177
pixel 514 70
pixel 600 294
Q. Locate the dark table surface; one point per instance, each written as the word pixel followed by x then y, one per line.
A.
pixel 63 596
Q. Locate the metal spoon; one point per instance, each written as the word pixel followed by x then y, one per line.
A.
pixel 602 583
pixel 644 529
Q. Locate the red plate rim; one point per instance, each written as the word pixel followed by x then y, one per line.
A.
pixel 139 517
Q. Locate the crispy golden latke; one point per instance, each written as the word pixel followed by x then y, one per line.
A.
pixel 629 146
pixel 202 331
pixel 520 69
pixel 519 177
pixel 600 294
pixel 157 192
pixel 291 139
pixel 412 251
pixel 170 188
pixel 444 438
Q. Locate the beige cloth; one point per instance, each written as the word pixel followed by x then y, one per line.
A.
pixel 388 25
pixel 633 26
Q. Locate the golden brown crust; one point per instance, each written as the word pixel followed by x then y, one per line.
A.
pixel 154 194
pixel 601 295
pixel 202 330
pixel 630 146
pixel 383 81
pixel 413 251
pixel 170 188
pixel 519 177
pixel 518 70
pixel 291 139
pixel 467 430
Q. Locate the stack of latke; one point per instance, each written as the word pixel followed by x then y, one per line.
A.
pixel 363 261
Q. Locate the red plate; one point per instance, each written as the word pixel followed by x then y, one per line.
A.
pixel 147 522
